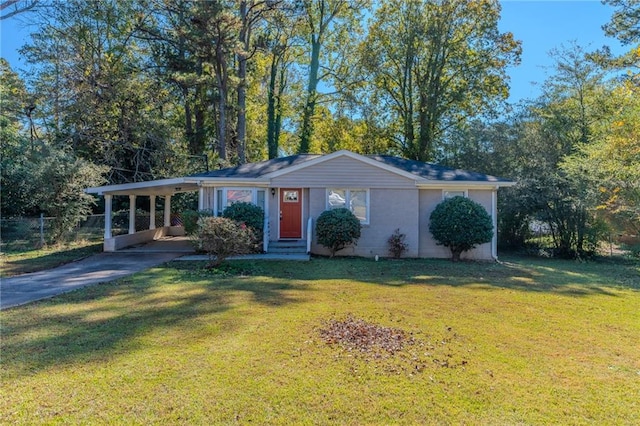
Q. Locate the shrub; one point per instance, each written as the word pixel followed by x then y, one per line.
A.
pixel 249 214
pixel 337 228
pixel 220 238
pixel 460 224
pixel 190 220
pixel 397 244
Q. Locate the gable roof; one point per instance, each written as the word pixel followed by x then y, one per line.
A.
pixel 408 168
pixel 424 174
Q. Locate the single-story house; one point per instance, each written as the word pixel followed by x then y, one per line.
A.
pixel 384 192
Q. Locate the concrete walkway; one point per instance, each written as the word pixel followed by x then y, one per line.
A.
pixel 103 267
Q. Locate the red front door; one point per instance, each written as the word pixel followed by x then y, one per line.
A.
pixel 290 213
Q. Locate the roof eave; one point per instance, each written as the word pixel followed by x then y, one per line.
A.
pixel 436 184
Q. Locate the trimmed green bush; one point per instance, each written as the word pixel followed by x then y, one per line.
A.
pixel 460 224
pixel 337 229
pixel 251 215
pixel 220 238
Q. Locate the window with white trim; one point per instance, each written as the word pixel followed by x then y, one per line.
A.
pixel 356 200
pixel 450 194
pixel 228 196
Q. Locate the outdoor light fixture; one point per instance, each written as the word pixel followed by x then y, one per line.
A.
pixel 273 192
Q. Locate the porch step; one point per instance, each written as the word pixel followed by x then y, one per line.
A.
pixel 288 247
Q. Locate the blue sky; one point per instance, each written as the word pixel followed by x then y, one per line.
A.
pixel 540 25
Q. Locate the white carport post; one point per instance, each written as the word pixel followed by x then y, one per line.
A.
pixel 152 212
pixel 107 215
pixel 132 214
pixel 201 198
pixel 167 210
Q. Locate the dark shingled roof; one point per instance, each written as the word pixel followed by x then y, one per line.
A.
pixel 255 170
pixel 433 171
pixel 427 171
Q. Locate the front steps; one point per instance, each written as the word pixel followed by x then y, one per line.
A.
pixel 287 247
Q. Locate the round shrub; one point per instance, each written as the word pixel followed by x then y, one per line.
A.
pixel 337 228
pixel 460 224
pixel 220 238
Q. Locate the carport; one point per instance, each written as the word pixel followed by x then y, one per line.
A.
pixel 164 188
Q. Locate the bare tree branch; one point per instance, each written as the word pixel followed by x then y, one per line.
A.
pixel 19 6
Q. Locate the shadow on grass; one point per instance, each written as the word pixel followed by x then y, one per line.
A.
pixel 15 264
pixel 107 320
pixel 570 278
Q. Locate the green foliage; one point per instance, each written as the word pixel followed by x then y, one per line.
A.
pixel 61 181
pixel 190 220
pixel 421 92
pixel 220 238
pixel 397 244
pixel 248 213
pixel 252 216
pixel 460 224
pixel 337 228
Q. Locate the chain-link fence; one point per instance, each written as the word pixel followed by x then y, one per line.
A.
pixel 30 233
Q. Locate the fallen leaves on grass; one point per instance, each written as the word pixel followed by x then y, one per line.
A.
pixel 397 350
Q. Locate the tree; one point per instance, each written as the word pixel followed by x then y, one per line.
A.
pixel 625 22
pixel 92 96
pixel 432 64
pixel 327 22
pixel 460 224
pixel 13 7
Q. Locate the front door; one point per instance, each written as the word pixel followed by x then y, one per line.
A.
pixel 290 213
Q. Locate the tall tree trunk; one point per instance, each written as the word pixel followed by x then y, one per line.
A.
pixel 241 127
pixel 312 97
pixel 272 142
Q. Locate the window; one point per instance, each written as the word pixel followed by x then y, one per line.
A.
pixel 227 196
pixel 450 194
pixel 356 200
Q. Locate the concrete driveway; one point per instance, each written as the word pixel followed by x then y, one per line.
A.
pixel 96 269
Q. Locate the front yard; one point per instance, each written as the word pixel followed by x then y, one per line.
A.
pixel 521 342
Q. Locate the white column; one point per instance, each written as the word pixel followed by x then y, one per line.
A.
pixel 494 218
pixel 152 212
pixel 167 210
pixel 107 215
pixel 132 214
pixel 201 198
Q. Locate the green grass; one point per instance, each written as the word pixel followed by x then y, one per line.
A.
pixel 521 342
pixel 22 262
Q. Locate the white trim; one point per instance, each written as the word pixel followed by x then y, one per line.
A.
pixel 348 199
pixel 213 181
pixel 441 184
pixel 465 192
pixel 162 187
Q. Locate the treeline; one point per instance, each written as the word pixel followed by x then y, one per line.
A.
pixel 142 89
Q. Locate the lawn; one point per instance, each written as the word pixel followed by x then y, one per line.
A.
pixel 525 341
pixel 25 261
